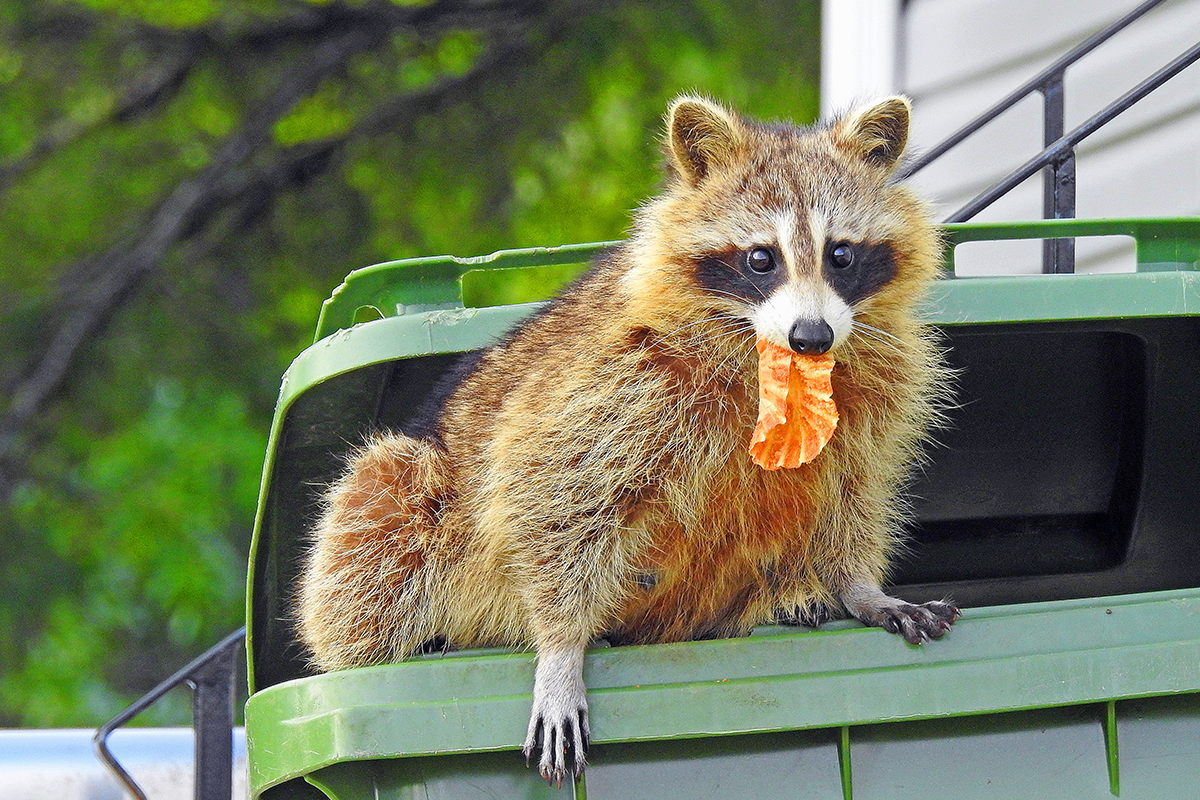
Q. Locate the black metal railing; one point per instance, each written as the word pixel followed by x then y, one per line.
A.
pixel 211 678
pixel 1057 160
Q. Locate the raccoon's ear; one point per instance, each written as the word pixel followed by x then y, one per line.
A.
pixel 878 133
pixel 701 136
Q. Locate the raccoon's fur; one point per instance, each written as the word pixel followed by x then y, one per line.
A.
pixel 588 476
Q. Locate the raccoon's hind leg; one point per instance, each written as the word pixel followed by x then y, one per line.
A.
pixel 916 624
pixel 366 591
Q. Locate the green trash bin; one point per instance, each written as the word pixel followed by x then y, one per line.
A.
pixel 1061 510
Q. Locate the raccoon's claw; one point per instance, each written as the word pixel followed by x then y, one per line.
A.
pixel 810 616
pixel 563 744
pixel 918 624
pixel 558 724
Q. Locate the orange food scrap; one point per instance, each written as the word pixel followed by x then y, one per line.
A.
pixel 796 412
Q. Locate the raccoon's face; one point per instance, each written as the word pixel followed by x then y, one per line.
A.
pixel 802 297
pixel 794 231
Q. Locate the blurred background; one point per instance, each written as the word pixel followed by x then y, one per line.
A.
pixel 182 182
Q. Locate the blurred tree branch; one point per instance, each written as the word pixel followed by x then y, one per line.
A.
pixel 142 94
pixel 93 289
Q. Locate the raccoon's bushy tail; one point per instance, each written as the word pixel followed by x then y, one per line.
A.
pixel 366 581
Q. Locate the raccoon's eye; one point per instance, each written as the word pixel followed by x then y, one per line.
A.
pixel 841 255
pixel 760 259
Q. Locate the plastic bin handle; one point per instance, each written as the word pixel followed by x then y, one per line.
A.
pixel 424 284
pixel 1162 244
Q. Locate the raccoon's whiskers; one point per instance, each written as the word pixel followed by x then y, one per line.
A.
pixel 722 327
pixel 869 344
pixel 880 331
pixel 727 326
pixel 739 300
pixel 715 320
pixel 875 338
pixel 893 342
pixel 735 354
pixel 711 290
pixel 704 338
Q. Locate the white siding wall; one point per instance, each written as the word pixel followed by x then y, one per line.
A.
pixel 963 55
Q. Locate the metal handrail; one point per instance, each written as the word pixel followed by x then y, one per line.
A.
pixel 1063 148
pixel 1053 74
pixel 1058 157
pixel 211 679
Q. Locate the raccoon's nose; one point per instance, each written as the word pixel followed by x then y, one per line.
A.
pixel 810 337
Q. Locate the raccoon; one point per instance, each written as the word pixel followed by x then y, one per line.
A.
pixel 587 477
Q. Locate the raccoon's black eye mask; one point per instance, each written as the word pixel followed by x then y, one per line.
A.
pixel 857 270
pixel 749 275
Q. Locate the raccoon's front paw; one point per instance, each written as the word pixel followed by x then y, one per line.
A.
pixel 918 624
pixel 558 724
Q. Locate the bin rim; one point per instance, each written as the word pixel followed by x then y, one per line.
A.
pixel 1090 650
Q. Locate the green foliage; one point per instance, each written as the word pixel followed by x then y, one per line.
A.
pixel 131 502
pixel 149 522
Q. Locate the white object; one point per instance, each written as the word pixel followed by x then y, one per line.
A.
pixel 860 52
